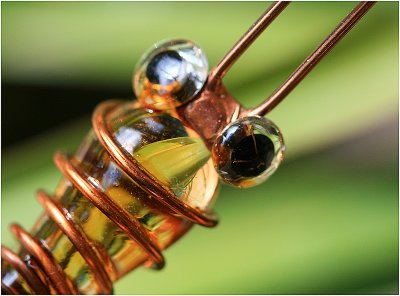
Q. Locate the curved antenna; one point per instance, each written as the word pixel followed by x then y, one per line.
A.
pixel 216 104
pixel 244 42
pixel 312 60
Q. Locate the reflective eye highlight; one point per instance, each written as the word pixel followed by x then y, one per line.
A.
pixel 170 74
pixel 248 151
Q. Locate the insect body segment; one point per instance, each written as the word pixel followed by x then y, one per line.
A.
pixel 247 151
pixel 152 138
pixel 139 181
pixel 136 184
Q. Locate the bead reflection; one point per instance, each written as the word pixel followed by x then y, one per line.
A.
pixel 248 151
pixel 170 74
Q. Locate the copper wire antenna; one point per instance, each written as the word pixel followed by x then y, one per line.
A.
pixel 247 39
pixel 313 59
pixel 220 108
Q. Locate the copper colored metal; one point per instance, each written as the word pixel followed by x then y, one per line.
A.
pixel 207 114
pixel 210 112
pixel 79 239
pixel 115 213
pixel 134 170
pixel 6 290
pixel 244 42
pixel 163 199
pixel 312 60
pixel 26 272
pixel 214 107
pixel 53 270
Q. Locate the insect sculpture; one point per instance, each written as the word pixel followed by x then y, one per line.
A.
pixel 150 169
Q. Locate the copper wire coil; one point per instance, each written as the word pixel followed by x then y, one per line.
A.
pixel 38 287
pixel 165 198
pixel 162 198
pixel 53 270
pixel 5 290
pixel 79 239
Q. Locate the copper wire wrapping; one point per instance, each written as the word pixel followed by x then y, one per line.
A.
pixel 79 239
pixel 55 273
pixel 162 197
pixel 165 201
pixel 37 286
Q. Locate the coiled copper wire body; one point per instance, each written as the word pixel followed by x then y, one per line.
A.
pixel 61 283
pixel 19 265
pixel 162 197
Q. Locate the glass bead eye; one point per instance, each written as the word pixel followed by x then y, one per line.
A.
pixel 170 74
pixel 248 151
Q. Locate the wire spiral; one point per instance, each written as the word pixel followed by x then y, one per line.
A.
pixel 162 198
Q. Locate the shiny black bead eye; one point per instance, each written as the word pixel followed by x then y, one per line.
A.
pixel 252 155
pixel 165 68
pixel 248 151
pixel 170 74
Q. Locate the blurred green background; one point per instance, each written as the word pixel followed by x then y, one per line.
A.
pixel 325 223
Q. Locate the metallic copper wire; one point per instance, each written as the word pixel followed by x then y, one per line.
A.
pixel 312 60
pixel 247 39
pixel 34 282
pixel 138 174
pixel 115 213
pixel 10 290
pixel 6 290
pixel 216 104
pixel 79 239
pixel 214 101
pixel 56 274
pixel 118 215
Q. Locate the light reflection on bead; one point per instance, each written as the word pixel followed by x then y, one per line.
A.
pixel 170 74
pixel 248 151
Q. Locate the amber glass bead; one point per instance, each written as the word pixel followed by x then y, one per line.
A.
pixel 170 74
pixel 172 153
pixel 248 151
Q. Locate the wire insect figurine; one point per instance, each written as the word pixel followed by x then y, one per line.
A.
pixel 149 169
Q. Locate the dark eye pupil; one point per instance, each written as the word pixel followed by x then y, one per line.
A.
pixel 165 67
pixel 252 155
